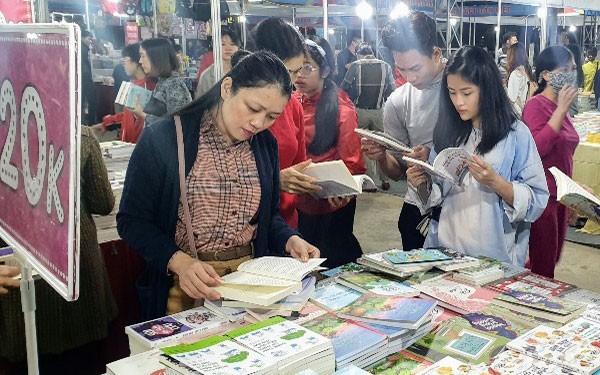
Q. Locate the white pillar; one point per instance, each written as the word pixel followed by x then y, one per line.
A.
pixel 215 10
pixel 498 28
pixel 325 20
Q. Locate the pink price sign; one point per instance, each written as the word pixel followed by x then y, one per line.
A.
pixel 39 149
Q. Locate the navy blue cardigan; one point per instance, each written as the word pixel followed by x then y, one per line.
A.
pixel 148 212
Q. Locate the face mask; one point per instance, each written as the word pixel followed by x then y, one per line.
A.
pixel 558 80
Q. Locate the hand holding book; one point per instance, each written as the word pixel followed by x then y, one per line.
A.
pixel 294 181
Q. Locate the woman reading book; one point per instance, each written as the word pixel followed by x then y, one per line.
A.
pixel 232 181
pixel 329 120
pixel 505 190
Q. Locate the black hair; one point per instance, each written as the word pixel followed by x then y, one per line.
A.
pixel 278 36
pixel 132 51
pixel 328 107
pixel 517 56
pixel 256 70
pixel 364 49
pixel 162 56
pixel 592 52
pixel 572 38
pixel 352 38
pixel 235 38
pixel 496 113
pixel 548 60
pixel 576 51
pixel 507 36
pixel 414 32
pixel 238 56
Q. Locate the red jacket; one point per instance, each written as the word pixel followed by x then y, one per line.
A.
pixel 346 149
pixel 288 129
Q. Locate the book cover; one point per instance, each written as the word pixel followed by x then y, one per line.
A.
pixel 217 355
pixel 592 314
pixel 345 268
pixel 511 270
pixel 450 164
pixel 159 329
pixel 457 296
pixel 137 94
pixel 349 340
pixel 448 366
pixel 539 302
pixel 383 139
pixel 526 320
pixel 583 296
pixel 370 283
pixel 332 296
pixel 511 362
pixel 495 324
pixel 456 338
pixel 335 180
pixel 388 309
pixel 431 275
pixel 401 363
pixel 416 256
pixel 535 284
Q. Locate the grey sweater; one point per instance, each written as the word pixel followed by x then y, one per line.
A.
pixel 173 93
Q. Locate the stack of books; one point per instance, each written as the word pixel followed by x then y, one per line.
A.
pixel 583 296
pixel 170 330
pixel 459 297
pixel 486 272
pixel 534 283
pixel 511 362
pixel 366 282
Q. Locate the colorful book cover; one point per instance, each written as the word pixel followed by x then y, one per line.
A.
pixel 350 370
pixel 540 302
pixel 458 339
pixel 214 355
pixel 424 277
pixel 160 328
pixel 564 347
pixel 415 256
pixel 495 324
pixel 332 296
pixel 462 297
pixel 485 266
pixel 526 320
pixel 511 362
pixel 349 340
pixel 533 283
pixel 370 283
pixel 401 363
pixel 347 268
pixel 448 366
pixel 387 309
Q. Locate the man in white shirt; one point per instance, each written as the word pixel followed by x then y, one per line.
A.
pixel 411 112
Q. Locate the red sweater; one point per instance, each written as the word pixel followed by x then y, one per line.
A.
pixel 288 129
pixel 556 149
pixel 347 147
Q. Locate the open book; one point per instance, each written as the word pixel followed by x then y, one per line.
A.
pixel 450 164
pixel 572 195
pixel 383 139
pixel 337 181
pixel 129 94
pixel 266 280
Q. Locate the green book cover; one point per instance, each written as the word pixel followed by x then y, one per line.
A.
pixel 400 363
pixel 370 283
pixel 202 344
pixel 255 327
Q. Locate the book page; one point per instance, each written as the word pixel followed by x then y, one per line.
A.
pixel 332 171
pixel 330 189
pixel 383 139
pixel 572 195
pixel 365 183
pixel 122 94
pixel 280 267
pixel 245 278
pixel 453 162
pixel 428 168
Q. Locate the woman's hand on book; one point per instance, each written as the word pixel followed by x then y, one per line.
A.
pixel 373 151
pixel 300 249
pixel 6 278
pixel 293 181
pixel 416 176
pixel 483 172
pixel 195 277
pixel 420 153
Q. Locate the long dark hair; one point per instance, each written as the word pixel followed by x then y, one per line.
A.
pixel 548 60
pixel 256 70
pixel 517 56
pixel 328 107
pixel 474 65
pixel 162 56
pixel 278 36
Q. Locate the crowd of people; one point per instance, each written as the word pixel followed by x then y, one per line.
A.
pixel 219 180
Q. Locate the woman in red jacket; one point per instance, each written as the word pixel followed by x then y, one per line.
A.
pixel 329 123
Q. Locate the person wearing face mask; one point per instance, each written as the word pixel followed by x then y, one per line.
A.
pixel 547 116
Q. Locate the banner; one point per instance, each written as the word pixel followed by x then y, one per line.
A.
pixel 132 33
pixel 16 11
pixel 39 160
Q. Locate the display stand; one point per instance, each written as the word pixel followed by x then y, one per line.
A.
pixel 28 306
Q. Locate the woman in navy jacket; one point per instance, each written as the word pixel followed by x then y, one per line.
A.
pixel 244 104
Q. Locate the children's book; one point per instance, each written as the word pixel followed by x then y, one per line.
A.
pixel 383 139
pixel 492 322
pixel 367 282
pixel 572 195
pixel 457 338
pixel 130 94
pixel 450 164
pixel 217 355
pixel 510 362
pixel 523 319
pixel 574 346
pixel 401 312
pixel 401 363
pixel 534 283
pixel 547 307
pixel 336 180
pixel 266 280
pixel 592 314
pixel 416 256
pixel 333 296
pixel 457 296
pixel 448 366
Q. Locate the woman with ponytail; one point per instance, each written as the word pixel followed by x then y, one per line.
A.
pixel 329 123
pixel 547 116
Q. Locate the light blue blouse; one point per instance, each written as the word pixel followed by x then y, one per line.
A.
pixel 474 219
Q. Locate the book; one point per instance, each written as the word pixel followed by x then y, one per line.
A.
pixel 332 296
pixel 511 270
pixel 459 297
pixel 172 329
pixel 401 363
pixel 266 280
pixel 351 370
pixel 233 314
pixel 393 311
pixel 572 195
pixel 377 261
pixel 431 275
pixel 336 180
pixel 130 94
pixel 547 307
pixel 416 256
pixel 346 268
pixel 146 363
pixel 522 319
pixel 457 338
pixel 450 164
pixel 567 346
pixel 583 296
pixel 366 282
pixel 216 355
pixel 534 283
pixel 383 139
pixel 511 362
pixel 447 366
